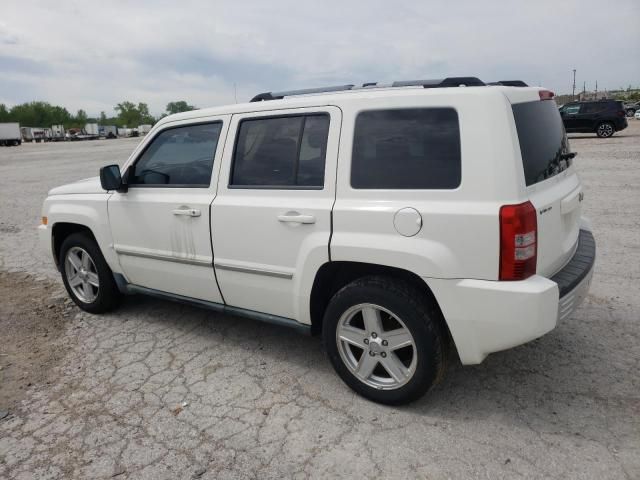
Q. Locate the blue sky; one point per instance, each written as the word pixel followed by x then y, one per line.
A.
pixel 92 55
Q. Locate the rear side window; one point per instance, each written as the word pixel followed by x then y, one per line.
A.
pixel 181 156
pixel 417 148
pixel 594 107
pixel 286 152
pixel 542 140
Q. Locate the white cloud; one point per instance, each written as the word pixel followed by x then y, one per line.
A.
pixel 93 55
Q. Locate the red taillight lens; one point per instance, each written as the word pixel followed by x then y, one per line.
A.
pixel 622 113
pixel 546 94
pixel 518 241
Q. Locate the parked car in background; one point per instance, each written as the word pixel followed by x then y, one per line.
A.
pixel 632 108
pixel 602 117
pixel 10 134
pixel 343 212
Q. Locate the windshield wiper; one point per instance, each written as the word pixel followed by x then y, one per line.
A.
pixel 568 156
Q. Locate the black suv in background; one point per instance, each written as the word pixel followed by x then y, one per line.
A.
pixel 604 117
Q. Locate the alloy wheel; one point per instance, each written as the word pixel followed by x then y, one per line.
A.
pixel 82 275
pixel 376 346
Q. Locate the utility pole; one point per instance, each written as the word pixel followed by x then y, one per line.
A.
pixel 573 92
pixel 596 89
pixel 584 89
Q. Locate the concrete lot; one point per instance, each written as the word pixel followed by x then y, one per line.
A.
pixel 263 402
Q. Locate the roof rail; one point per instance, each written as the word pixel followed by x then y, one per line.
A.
pixel 280 95
pixel 510 83
pixel 440 83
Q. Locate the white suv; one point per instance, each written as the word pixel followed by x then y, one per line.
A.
pixel 393 220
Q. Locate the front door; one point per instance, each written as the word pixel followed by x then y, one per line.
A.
pixel 161 225
pixel 271 218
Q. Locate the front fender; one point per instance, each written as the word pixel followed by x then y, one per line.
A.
pixel 88 210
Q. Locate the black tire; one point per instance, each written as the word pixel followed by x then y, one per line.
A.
pixel 420 317
pixel 631 112
pixel 108 296
pixel 605 129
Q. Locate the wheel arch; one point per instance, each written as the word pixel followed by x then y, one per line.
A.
pixel 332 276
pixel 60 231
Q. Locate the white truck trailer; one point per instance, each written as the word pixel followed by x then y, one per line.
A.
pixel 57 133
pixel 10 134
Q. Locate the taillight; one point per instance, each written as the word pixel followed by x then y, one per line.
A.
pixel 546 94
pixel 622 113
pixel 518 241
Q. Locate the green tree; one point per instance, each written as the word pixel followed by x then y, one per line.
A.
pixel 103 118
pixel 38 114
pixel 132 115
pixel 4 113
pixel 179 106
pixel 81 118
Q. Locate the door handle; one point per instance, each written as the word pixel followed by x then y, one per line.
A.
pixel 295 217
pixel 190 212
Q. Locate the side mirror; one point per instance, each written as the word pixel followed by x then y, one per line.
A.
pixel 110 178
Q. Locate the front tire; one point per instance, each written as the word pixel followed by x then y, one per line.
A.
pixel 385 339
pixel 605 130
pixel 86 275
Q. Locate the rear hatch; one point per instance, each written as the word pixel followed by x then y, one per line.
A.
pixel 552 184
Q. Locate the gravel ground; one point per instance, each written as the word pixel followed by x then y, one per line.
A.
pixel 160 390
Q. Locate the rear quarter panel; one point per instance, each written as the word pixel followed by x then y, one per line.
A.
pixel 459 237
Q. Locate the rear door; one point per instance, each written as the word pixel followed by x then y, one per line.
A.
pixel 551 182
pixel 271 219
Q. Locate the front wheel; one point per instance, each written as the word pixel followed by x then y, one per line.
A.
pixel 605 130
pixel 385 340
pixel 86 275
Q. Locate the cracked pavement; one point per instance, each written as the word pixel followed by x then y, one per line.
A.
pixel 161 390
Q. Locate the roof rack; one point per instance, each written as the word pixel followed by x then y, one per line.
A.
pixel 440 83
pixel 509 83
pixel 305 91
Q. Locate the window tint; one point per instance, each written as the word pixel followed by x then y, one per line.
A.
pixel 401 149
pixel 281 152
pixel 178 156
pixel 593 107
pixel 542 140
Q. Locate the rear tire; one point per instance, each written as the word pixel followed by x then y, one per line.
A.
pixel 86 275
pixel 385 339
pixel 605 130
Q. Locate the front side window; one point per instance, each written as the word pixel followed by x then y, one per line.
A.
pixel 417 148
pixel 181 156
pixel 287 152
pixel 571 109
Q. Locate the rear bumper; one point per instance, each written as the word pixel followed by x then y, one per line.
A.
pixel 488 316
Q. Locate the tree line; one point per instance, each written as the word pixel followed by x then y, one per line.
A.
pixel 43 114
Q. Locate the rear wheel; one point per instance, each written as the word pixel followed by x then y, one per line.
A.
pixel 605 130
pixel 86 275
pixel 384 339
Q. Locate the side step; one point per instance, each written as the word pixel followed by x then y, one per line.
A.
pixel 129 289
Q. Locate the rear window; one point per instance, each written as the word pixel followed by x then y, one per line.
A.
pixel 417 148
pixel 542 140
